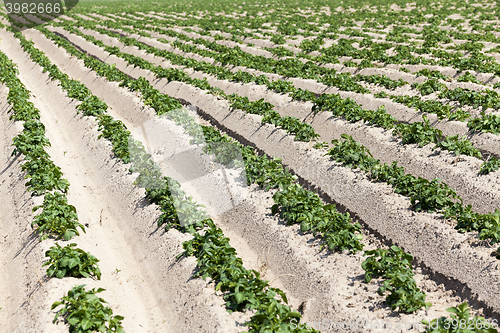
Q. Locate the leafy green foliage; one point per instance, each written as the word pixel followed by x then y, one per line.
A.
pixel 429 86
pixel 321 145
pixel 468 77
pixel 490 165
pixel 57 218
pixel 43 175
pixel 32 141
pixel 281 86
pixel 176 207
pixel 431 106
pixel 116 132
pixel 278 39
pixel 76 90
pixel 385 173
pixel 418 132
pixel 21 108
pixel 394 265
pixel 92 106
pixel 351 153
pixel 381 94
pixel 266 172
pixel 303 95
pixel 344 81
pixel 379 117
pixel 161 103
pixel 261 170
pixel 431 74
pixel 241 76
pixel 460 321
pixel 486 98
pixel 85 312
pixel 71 261
pixel 387 261
pixel 280 51
pixel 458 146
pixel 382 80
pixel 303 132
pixel 424 195
pixel 487 224
pixel 297 205
pixel 487 123
pixel 243 289
pixel 352 111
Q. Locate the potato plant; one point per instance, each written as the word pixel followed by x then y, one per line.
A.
pixel 85 312
pixel 71 261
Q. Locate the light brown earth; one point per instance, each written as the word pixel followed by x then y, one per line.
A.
pixel 153 291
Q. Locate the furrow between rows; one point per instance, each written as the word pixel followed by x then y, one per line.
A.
pixel 479 191
pixel 434 244
pixel 144 281
pixel 483 141
pixel 21 289
pixel 289 254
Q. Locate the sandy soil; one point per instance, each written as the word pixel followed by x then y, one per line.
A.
pixel 153 291
pixel 263 251
pixel 309 165
pixel 481 192
pixel 21 254
pixel 141 277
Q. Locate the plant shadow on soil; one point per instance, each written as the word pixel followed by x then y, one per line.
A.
pixel 12 159
pixel 140 205
pixel 28 246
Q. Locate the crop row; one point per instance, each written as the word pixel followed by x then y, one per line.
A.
pixel 246 289
pixel 45 177
pixel 302 131
pixel 383 80
pixel 289 67
pixel 419 132
pixel 305 224
pixel 291 22
pixel 487 123
pixel 294 204
pixel 372 51
pixel 425 195
pixel 347 82
pixel 415 133
pixel 58 218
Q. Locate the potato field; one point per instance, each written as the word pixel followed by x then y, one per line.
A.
pixel 249 166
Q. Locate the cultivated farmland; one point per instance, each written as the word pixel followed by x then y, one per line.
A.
pixel 262 166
